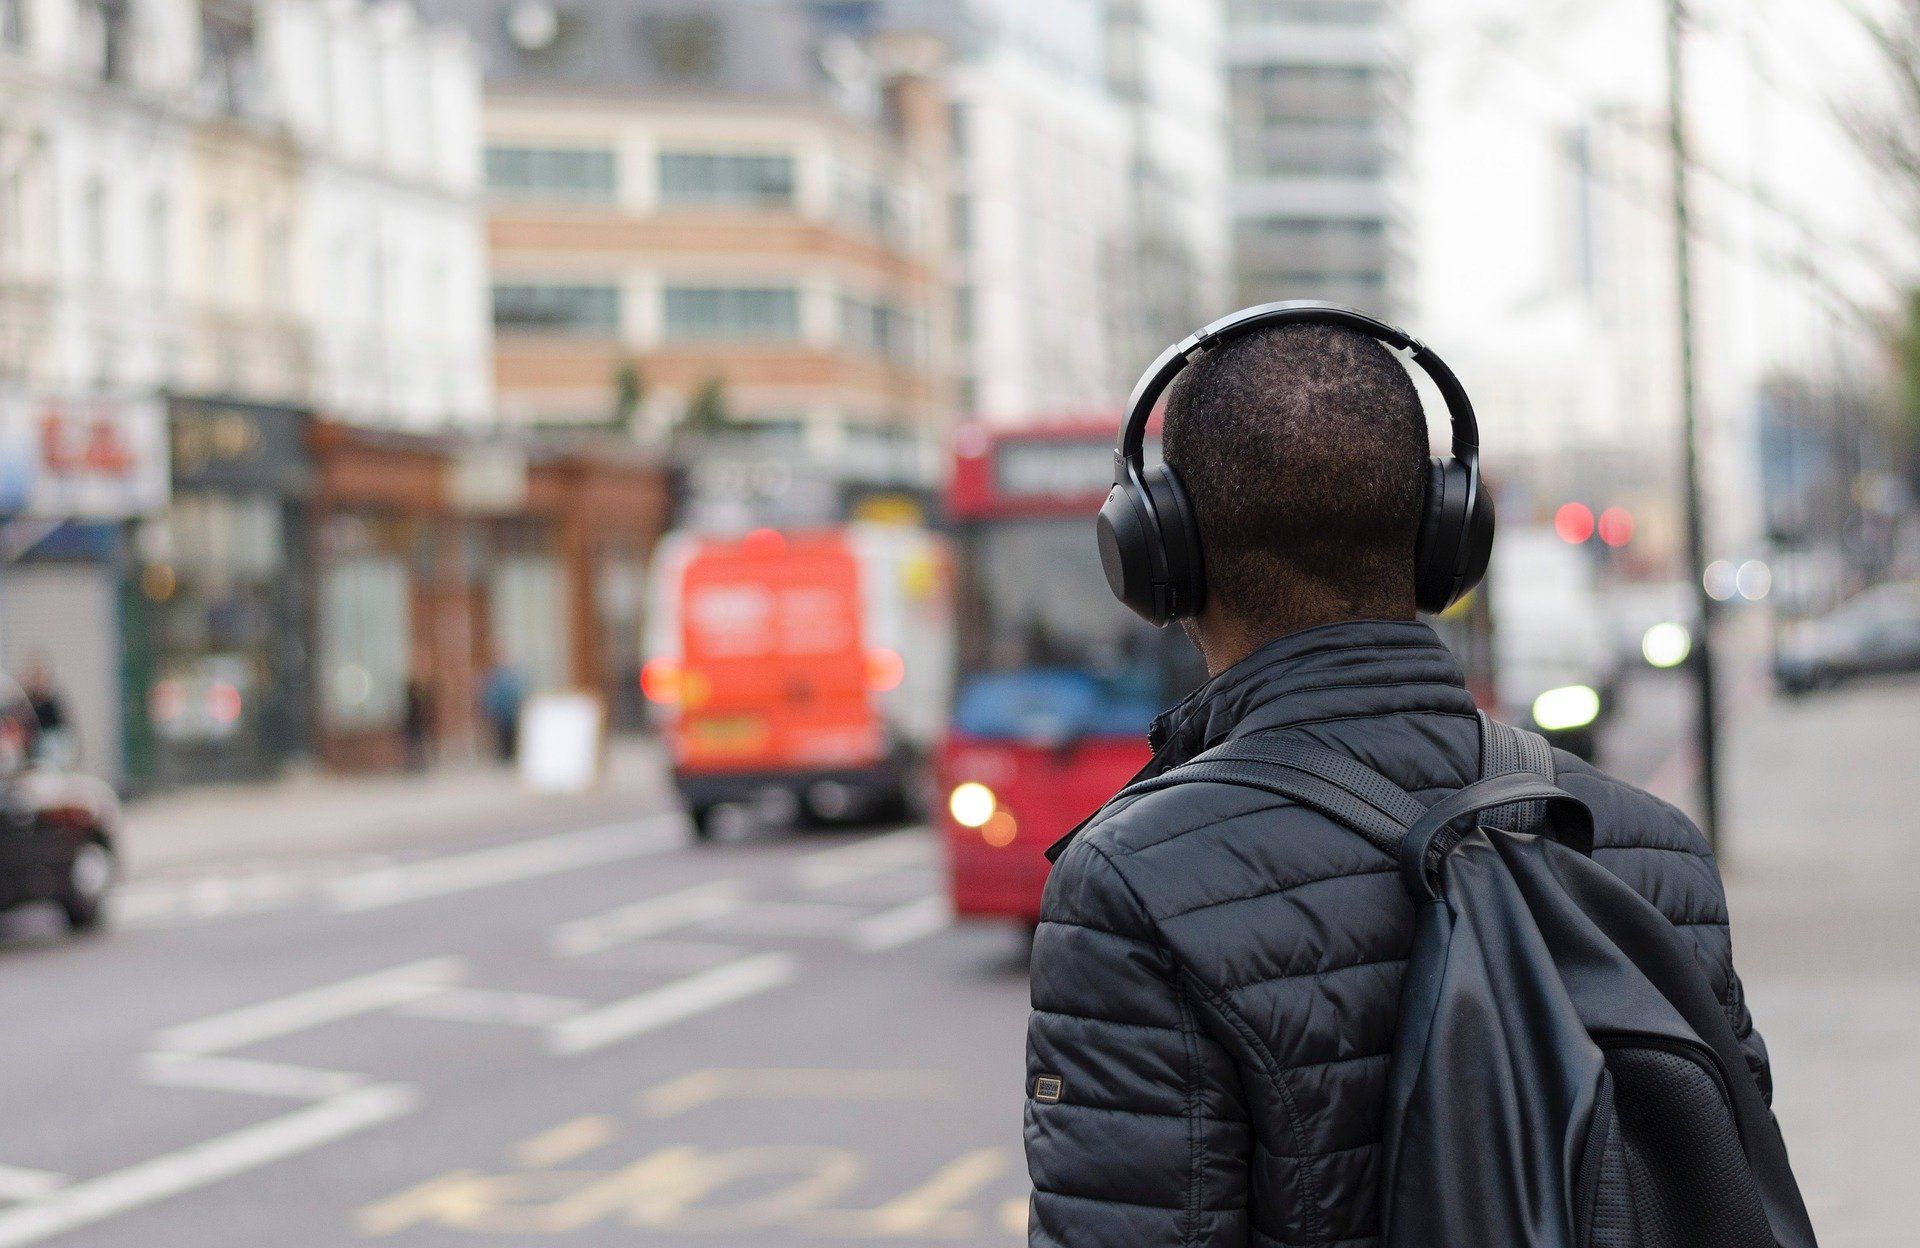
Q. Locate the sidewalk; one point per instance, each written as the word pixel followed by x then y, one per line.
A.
pixel 1822 858
pixel 321 815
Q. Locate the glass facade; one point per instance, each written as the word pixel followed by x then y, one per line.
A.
pixel 744 180
pixel 365 642
pixel 582 174
pixel 732 313
pixel 593 310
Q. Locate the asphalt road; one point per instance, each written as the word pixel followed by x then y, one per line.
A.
pixel 586 1035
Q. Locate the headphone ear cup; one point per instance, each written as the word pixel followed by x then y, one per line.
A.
pixel 1186 586
pixel 1456 536
pixel 1125 555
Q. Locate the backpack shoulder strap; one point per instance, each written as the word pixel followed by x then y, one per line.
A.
pixel 1506 750
pixel 1341 788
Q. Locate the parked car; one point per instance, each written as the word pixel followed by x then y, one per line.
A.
pixel 57 827
pixel 1876 632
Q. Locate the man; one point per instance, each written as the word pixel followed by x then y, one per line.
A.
pixel 1217 972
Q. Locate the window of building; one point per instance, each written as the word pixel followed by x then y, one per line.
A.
pixel 226 58
pixel 159 243
pixel 13 24
pixel 554 308
pixel 111 23
pixel 13 211
pixel 719 313
pixel 1271 95
pixel 582 174
pixel 1309 12
pixel 1337 147
pixel 219 255
pixel 526 597
pixel 879 328
pixel 94 224
pixel 363 642
pixel 737 179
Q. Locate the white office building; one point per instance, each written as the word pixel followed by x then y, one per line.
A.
pixel 1163 66
pixel 1318 105
pixel 1041 212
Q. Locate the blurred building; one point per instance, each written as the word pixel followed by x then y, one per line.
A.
pixel 723 221
pixel 1042 207
pixel 217 219
pixel 1163 65
pixel 1317 99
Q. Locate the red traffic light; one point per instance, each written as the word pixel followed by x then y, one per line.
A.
pixel 1573 522
pixel 1616 526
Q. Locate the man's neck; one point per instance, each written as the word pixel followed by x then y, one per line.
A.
pixel 1224 641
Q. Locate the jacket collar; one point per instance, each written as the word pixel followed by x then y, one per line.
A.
pixel 1333 671
pixel 1329 670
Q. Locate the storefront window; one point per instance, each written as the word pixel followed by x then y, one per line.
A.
pixel 363 642
pixel 526 604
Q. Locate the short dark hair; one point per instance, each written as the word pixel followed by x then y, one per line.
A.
pixel 1303 449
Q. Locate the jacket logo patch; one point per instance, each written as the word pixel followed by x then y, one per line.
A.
pixel 1047 1089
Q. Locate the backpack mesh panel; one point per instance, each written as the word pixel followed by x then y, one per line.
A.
pixel 1673 1174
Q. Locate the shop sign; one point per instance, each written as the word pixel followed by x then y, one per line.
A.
pixel 239 445
pixel 82 458
pixel 485 480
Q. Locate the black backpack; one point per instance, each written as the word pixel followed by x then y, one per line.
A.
pixel 1563 1075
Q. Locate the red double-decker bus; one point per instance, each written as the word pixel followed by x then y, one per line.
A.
pixel 1056 683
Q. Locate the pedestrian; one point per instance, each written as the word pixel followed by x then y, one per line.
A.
pixel 416 721
pixel 1217 973
pixel 500 699
pixel 53 725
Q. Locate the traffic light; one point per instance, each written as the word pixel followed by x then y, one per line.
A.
pixel 1574 523
pixel 1616 526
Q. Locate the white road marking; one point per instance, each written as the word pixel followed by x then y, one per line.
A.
pixel 650 917
pixel 830 868
pixel 301 1010
pixel 485 1005
pixel 504 864
pixel 20 1184
pixel 903 925
pixel 169 1175
pixel 675 957
pixel 788 918
pixel 682 999
pixel 245 1075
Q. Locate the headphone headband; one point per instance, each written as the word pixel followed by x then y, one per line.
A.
pixel 1175 359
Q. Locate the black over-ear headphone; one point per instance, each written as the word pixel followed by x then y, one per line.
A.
pixel 1150 538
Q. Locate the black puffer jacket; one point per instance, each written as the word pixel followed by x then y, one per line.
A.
pixel 1217 972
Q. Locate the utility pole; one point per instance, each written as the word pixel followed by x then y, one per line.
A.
pixel 1707 719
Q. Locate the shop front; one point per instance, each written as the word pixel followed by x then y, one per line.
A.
pixel 74 470
pixel 457 576
pixel 226 587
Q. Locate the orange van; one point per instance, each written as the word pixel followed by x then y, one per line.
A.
pixel 772 680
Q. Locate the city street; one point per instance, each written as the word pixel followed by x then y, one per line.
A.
pixel 563 1022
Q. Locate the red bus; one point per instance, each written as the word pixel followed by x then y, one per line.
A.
pixel 1056 683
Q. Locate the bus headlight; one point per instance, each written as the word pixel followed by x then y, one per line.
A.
pixel 1666 645
pixel 972 804
pixel 1566 708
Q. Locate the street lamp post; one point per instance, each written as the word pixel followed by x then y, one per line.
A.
pixel 1706 715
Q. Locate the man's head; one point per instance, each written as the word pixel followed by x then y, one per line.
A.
pixel 1304 452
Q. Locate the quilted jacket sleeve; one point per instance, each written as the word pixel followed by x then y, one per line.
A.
pixel 1136 1127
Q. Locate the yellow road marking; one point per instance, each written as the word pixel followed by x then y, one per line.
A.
pixel 704 1087
pixel 926 1212
pixel 564 1143
pixel 672 1189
